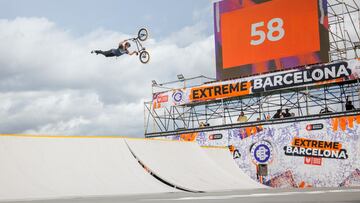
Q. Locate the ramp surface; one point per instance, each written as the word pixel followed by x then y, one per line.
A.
pixel 222 157
pixel 38 168
pixel 185 165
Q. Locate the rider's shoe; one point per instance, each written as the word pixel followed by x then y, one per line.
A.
pixel 95 52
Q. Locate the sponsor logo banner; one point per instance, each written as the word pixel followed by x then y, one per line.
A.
pixel 314 75
pixel 316 126
pixel 215 137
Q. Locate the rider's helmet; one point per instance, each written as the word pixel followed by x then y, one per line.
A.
pixel 127 45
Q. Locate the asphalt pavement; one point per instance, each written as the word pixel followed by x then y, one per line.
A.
pixel 329 195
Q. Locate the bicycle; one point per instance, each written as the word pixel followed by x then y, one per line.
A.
pixel 143 34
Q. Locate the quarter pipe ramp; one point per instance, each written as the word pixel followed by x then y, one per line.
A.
pixel 48 167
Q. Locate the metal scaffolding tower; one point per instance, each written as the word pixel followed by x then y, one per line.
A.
pixel 344 35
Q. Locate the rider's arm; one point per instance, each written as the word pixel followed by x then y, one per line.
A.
pixel 134 52
pixel 122 42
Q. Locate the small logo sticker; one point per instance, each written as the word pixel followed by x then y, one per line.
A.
pixel 261 152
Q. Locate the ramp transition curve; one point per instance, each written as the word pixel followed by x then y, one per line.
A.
pixel 188 166
pixel 42 168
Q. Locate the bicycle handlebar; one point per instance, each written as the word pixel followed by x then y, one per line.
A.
pixel 133 39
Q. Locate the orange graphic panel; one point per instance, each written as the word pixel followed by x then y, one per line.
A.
pixel 345 121
pixel 204 93
pixel 189 137
pixel 351 121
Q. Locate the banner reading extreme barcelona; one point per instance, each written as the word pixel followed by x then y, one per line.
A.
pixel 309 76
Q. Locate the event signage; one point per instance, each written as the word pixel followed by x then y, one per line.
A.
pixel 309 76
pixel 315 148
pixel 302 77
pixel 220 91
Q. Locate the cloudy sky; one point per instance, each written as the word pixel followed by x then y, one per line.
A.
pixel 51 84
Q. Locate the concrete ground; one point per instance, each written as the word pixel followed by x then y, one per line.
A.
pixel 338 195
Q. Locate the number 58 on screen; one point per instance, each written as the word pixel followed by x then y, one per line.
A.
pixel 274 26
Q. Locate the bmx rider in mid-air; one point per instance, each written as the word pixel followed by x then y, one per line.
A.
pixel 124 46
pixel 122 49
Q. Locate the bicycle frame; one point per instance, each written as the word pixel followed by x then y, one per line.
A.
pixel 138 44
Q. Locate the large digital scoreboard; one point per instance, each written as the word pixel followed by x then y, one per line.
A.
pixel 260 36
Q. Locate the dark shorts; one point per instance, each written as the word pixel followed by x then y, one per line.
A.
pixel 117 52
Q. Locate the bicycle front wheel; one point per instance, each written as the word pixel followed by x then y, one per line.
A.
pixel 144 57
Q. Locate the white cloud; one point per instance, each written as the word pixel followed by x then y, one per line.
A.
pixel 188 35
pixel 51 84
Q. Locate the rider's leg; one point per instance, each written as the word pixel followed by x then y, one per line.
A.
pixel 108 53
